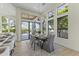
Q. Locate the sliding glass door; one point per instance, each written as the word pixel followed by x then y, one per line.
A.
pixel 24 30
pixel 28 28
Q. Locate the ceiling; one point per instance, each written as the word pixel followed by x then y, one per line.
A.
pixel 34 7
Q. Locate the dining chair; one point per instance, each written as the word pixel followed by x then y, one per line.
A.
pixel 49 44
pixel 34 41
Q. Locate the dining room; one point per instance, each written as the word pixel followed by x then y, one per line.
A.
pixel 39 29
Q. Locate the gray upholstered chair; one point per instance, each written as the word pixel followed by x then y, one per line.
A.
pixel 49 44
pixel 34 41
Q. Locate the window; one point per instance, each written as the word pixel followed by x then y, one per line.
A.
pixel 50 14
pixel 5 24
pixel 8 24
pixel 50 21
pixel 51 25
pixel 38 28
pixel 62 9
pixel 62 21
pixel 12 25
pixel 62 27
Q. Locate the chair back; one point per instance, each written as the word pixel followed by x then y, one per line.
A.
pixel 32 38
pixel 51 42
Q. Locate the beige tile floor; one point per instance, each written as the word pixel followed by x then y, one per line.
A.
pixel 23 48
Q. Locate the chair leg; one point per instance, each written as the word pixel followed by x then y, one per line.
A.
pixel 14 45
pixel 11 52
pixel 32 43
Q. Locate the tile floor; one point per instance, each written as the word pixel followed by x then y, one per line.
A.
pixel 23 48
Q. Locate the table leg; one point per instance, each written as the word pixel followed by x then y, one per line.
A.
pixel 34 46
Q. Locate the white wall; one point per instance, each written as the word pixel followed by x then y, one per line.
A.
pixel 73 30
